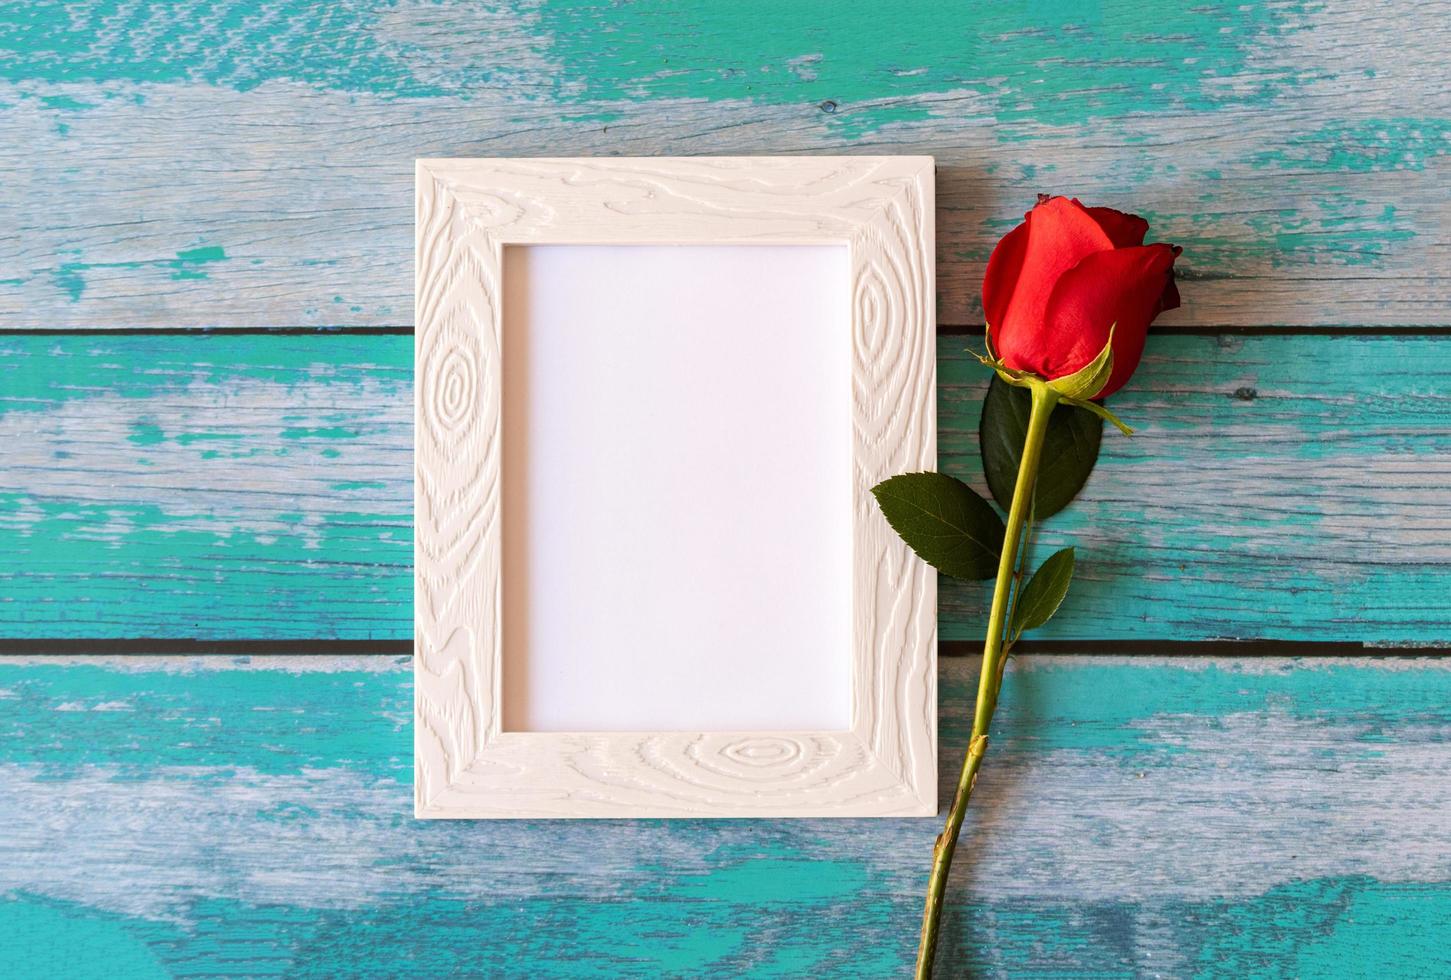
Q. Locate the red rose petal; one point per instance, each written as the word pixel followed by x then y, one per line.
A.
pixel 1124 289
pixel 1171 295
pixel 1003 267
pixel 1124 230
pixel 1170 300
pixel 1060 233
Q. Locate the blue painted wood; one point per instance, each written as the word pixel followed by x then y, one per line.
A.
pixel 248 164
pixel 239 487
pixel 1153 816
pixel 252 165
pixel 207 486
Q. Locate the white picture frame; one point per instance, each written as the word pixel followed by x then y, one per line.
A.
pixel 883 763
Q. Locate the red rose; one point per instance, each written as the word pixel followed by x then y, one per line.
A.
pixel 1058 281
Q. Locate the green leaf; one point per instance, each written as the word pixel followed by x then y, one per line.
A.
pixel 1044 593
pixel 1070 448
pixel 945 521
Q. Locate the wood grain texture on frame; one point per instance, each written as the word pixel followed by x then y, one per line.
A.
pixel 467 211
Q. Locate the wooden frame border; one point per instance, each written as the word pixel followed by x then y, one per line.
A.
pixel 467 211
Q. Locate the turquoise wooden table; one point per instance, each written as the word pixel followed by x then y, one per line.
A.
pixel 1230 755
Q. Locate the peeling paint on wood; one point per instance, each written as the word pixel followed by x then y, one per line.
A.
pixel 233 487
pixel 1151 816
pixel 251 166
pixel 248 163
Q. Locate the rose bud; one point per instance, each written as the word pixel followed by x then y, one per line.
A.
pixel 1059 281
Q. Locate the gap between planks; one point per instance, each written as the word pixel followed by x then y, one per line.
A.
pixel 173 646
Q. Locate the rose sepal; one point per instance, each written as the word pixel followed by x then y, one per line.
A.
pixel 1091 377
pixel 1088 381
pixel 1023 379
pixel 1100 411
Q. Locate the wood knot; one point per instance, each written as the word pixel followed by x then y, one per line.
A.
pixel 1246 394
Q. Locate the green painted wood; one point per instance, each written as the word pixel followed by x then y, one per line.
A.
pixel 1147 816
pixel 250 162
pixel 198 486
pixel 1286 488
pixel 234 487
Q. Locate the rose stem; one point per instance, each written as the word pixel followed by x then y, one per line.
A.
pixel 1044 399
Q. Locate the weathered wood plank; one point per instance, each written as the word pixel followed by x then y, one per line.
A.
pixel 1150 816
pixel 1290 488
pixel 206 486
pixel 260 487
pixel 251 165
